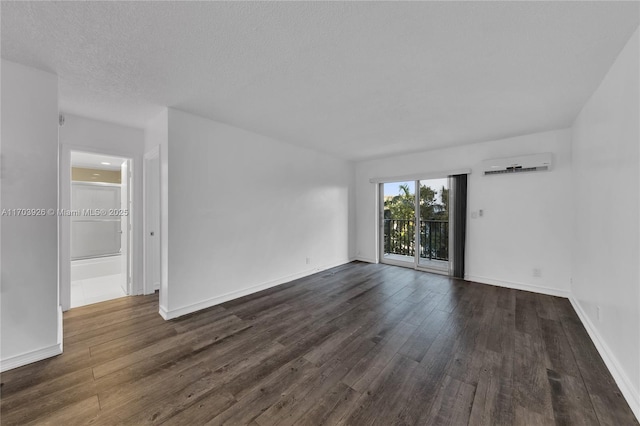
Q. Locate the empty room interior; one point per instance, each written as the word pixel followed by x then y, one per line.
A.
pixel 320 213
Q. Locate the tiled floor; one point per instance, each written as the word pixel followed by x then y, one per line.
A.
pixel 98 289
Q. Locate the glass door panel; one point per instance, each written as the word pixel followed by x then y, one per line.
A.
pixel 398 223
pixel 433 224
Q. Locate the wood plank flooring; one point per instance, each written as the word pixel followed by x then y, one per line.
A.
pixel 360 344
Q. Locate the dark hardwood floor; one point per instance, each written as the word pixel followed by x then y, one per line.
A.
pixel 359 344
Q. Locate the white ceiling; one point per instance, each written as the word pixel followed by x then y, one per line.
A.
pixel 354 79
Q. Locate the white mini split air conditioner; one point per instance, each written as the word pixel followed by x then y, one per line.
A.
pixel 524 163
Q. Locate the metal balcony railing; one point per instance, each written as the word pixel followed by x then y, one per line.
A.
pixel 399 238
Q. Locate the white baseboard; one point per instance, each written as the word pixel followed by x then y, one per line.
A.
pixel 518 286
pixel 175 313
pixel 163 312
pixel 622 380
pixel 29 357
pixel 60 328
pixel 365 259
pixel 37 355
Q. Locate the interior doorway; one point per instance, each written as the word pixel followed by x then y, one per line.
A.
pixel 416 225
pixel 100 228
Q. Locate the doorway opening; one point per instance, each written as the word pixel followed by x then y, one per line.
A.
pixel 100 228
pixel 416 224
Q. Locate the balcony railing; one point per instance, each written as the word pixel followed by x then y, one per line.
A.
pixel 399 238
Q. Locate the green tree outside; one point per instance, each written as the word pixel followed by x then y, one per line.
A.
pixel 400 222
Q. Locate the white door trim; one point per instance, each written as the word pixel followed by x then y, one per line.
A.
pixel 148 286
pixel 64 222
pixel 416 237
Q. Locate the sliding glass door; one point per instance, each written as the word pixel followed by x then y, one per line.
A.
pixel 415 225
pixel 433 219
pixel 399 219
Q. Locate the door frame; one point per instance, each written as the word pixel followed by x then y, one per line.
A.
pixel 126 192
pixel 449 234
pixel 416 237
pixel 393 262
pixel 154 153
pixel 64 222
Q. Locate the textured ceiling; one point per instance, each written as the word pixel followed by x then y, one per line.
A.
pixel 354 79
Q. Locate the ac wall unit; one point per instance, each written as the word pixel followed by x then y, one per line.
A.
pixel 521 164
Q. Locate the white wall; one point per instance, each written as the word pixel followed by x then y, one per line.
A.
pixel 101 136
pixel 526 216
pixel 606 231
pixel 89 135
pixel 245 211
pixel 30 315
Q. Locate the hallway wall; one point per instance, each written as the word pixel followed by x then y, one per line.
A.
pixel 30 317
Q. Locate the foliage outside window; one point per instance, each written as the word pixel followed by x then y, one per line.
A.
pixel 434 221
